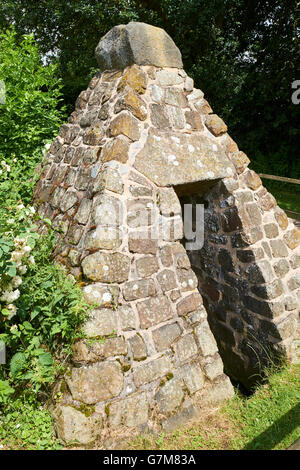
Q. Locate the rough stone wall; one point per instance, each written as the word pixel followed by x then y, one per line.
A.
pixel 158 356
pixel 248 271
pixel 139 139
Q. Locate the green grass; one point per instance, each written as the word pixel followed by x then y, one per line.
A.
pixel 269 419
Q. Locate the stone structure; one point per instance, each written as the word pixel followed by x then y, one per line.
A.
pixel 141 142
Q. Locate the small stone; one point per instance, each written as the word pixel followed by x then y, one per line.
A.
pixel 213 368
pixel 68 201
pixel 268 291
pixel 215 125
pixel 152 370
pixel 240 161
pixel 101 295
pixel 131 411
pixel 124 123
pixel 281 218
pixel 99 350
pixel 279 249
pixel 138 191
pixel 189 304
pixel 194 120
pixel 111 180
pixel 159 116
pixel 169 203
pixel 203 107
pixel 106 267
pixel 189 84
pixel 116 149
pixel 167 280
pixel 74 257
pixel 153 311
pixel 292 239
pixel 101 322
pixel 84 210
pixel 268 201
pixel 140 289
pixel 252 179
pixel 147 266
pixel 127 318
pixel 131 101
pixel 157 93
pixel 260 272
pixel 168 77
pixel 271 230
pixel 166 255
pixel 175 97
pixel 72 426
pixel 164 336
pixel 106 238
pixel 96 383
pixel 107 210
pixel 205 338
pixel 169 396
pixel 192 376
pixel 94 136
pixel 142 243
pixel 195 95
pixel 138 348
pixel 219 392
pixel 185 348
pixel 294 282
pixel 135 78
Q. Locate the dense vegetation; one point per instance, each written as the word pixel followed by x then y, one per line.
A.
pixel 41 309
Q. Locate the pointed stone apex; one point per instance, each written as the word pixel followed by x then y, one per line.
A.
pixel 137 43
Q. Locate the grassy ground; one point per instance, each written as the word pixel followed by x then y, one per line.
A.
pixel 269 419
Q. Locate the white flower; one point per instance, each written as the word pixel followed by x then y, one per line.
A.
pixel 32 209
pixel 26 249
pixel 20 206
pixel 47 146
pixel 0 172
pixel 17 281
pixel 22 269
pixel 31 259
pixel 16 256
pixel 13 327
pixel 11 221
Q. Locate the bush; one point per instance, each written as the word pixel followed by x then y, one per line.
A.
pixel 30 114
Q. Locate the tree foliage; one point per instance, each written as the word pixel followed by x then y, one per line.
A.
pixel 242 53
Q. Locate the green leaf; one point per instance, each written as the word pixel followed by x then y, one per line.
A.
pixel 46 359
pixel 17 363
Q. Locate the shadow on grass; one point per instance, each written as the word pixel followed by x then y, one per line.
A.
pixel 274 434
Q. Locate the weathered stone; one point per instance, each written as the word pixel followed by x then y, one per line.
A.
pixel 240 161
pixel 94 136
pixel 101 295
pixel 292 239
pixel 124 123
pixel 111 180
pixel 135 78
pixel 74 257
pixel 142 243
pixel 154 311
pixel 140 289
pixel 264 308
pixel 169 396
pixel 218 392
pixel 147 266
pixel 179 159
pixel 295 261
pixel 189 304
pixel 167 280
pixel 73 427
pixel 164 336
pixel 213 368
pixel 166 255
pixel 203 106
pixel 137 43
pixel 294 281
pixel 83 179
pixel 169 203
pixel 107 238
pixel 106 267
pixel 131 411
pixel 279 249
pixel 193 119
pixel 195 95
pixel 189 84
pixel 271 230
pixel 95 383
pixel 291 302
pixel 138 348
pixel 175 97
pixel 187 279
pixel 206 340
pixel 231 220
pixel 131 101
pixel 127 317
pixel 116 149
pixel 168 77
pixel 84 210
pixel 215 124
pixel 107 210
pixel 99 350
pixel 176 116
pixel 68 201
pixel 254 214
pixel 252 180
pixel 281 218
pixel 152 370
pixel 101 322
pixel 138 191
pixel 281 267
pixel 185 348
pixel 268 201
pixel 192 376
pixel 140 212
pixel 159 116
pixel 157 93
